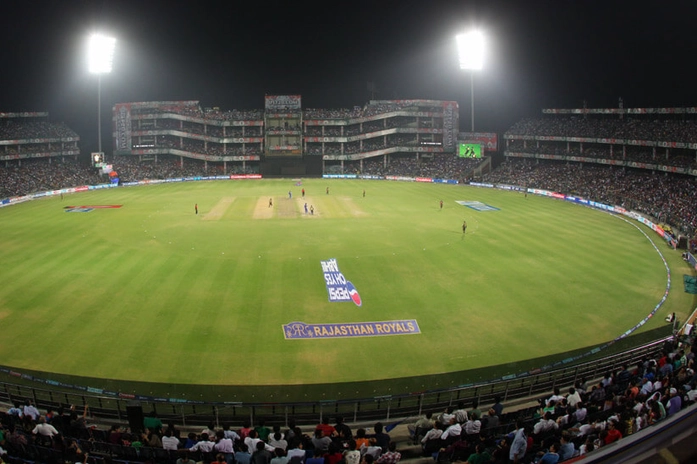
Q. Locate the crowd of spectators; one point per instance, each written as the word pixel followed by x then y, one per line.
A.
pixel 206 148
pixel 67 436
pixel 566 423
pixel 628 128
pixel 196 128
pixel 193 109
pixel 333 113
pixel 132 169
pixel 256 131
pixel 40 175
pixel 668 198
pixel 570 423
pixel 682 158
pixel 237 115
pixel 365 146
pixel 440 166
pixel 22 129
pixel 367 110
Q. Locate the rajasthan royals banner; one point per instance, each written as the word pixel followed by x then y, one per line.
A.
pixel 338 288
pixel 450 125
pixel 122 115
pixel 300 330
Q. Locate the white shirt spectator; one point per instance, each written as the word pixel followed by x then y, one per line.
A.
pixel 432 434
pixel 170 443
pixel 30 410
pixel 44 429
pixel 454 430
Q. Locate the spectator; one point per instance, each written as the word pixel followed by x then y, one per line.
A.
pixel 392 456
pixel 170 442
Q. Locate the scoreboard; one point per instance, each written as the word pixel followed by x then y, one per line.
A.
pixel 469 150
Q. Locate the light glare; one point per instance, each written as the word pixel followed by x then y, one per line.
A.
pixel 470 48
pixel 101 53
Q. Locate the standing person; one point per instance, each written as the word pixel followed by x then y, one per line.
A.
pixel 441 204
pixel 243 456
pixel 153 423
pixel 290 194
pixel 15 410
pixel 278 440
pixel 261 455
pixel 363 193
pixel 204 444
pixel 246 428
pixel 381 438
pixel 327 190
pixel 305 208
pixel 497 407
pixel 464 226
pixel 270 202
pixel 312 210
pixel 224 446
pixel 30 410
pixel 321 441
pixel 520 443
pixel 44 430
pixel 170 442
pixel 263 431
pixel 343 431
pixel 303 191
pixel 196 208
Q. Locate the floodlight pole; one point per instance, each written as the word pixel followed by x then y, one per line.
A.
pixel 99 111
pixel 472 98
pixel 101 54
pixel 470 51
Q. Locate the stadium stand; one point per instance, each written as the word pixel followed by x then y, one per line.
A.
pixel 581 418
pixel 644 159
pixel 265 141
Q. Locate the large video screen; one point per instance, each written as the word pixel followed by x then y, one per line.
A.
pixel 469 150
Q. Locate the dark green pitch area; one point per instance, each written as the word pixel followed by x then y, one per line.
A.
pixel 152 292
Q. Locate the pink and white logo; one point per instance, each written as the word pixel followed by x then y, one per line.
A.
pixel 353 293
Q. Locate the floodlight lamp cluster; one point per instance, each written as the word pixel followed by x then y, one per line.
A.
pixel 470 48
pixel 101 53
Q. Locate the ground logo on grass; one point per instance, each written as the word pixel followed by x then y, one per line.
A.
pixel 300 330
pixel 338 288
pixel 477 205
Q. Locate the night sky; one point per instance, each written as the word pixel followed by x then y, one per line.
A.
pixel 540 54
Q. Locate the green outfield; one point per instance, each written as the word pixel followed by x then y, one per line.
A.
pixel 152 292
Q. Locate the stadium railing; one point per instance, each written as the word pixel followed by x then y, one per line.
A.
pixel 392 408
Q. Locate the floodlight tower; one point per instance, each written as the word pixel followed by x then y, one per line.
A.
pixel 470 48
pixel 100 57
